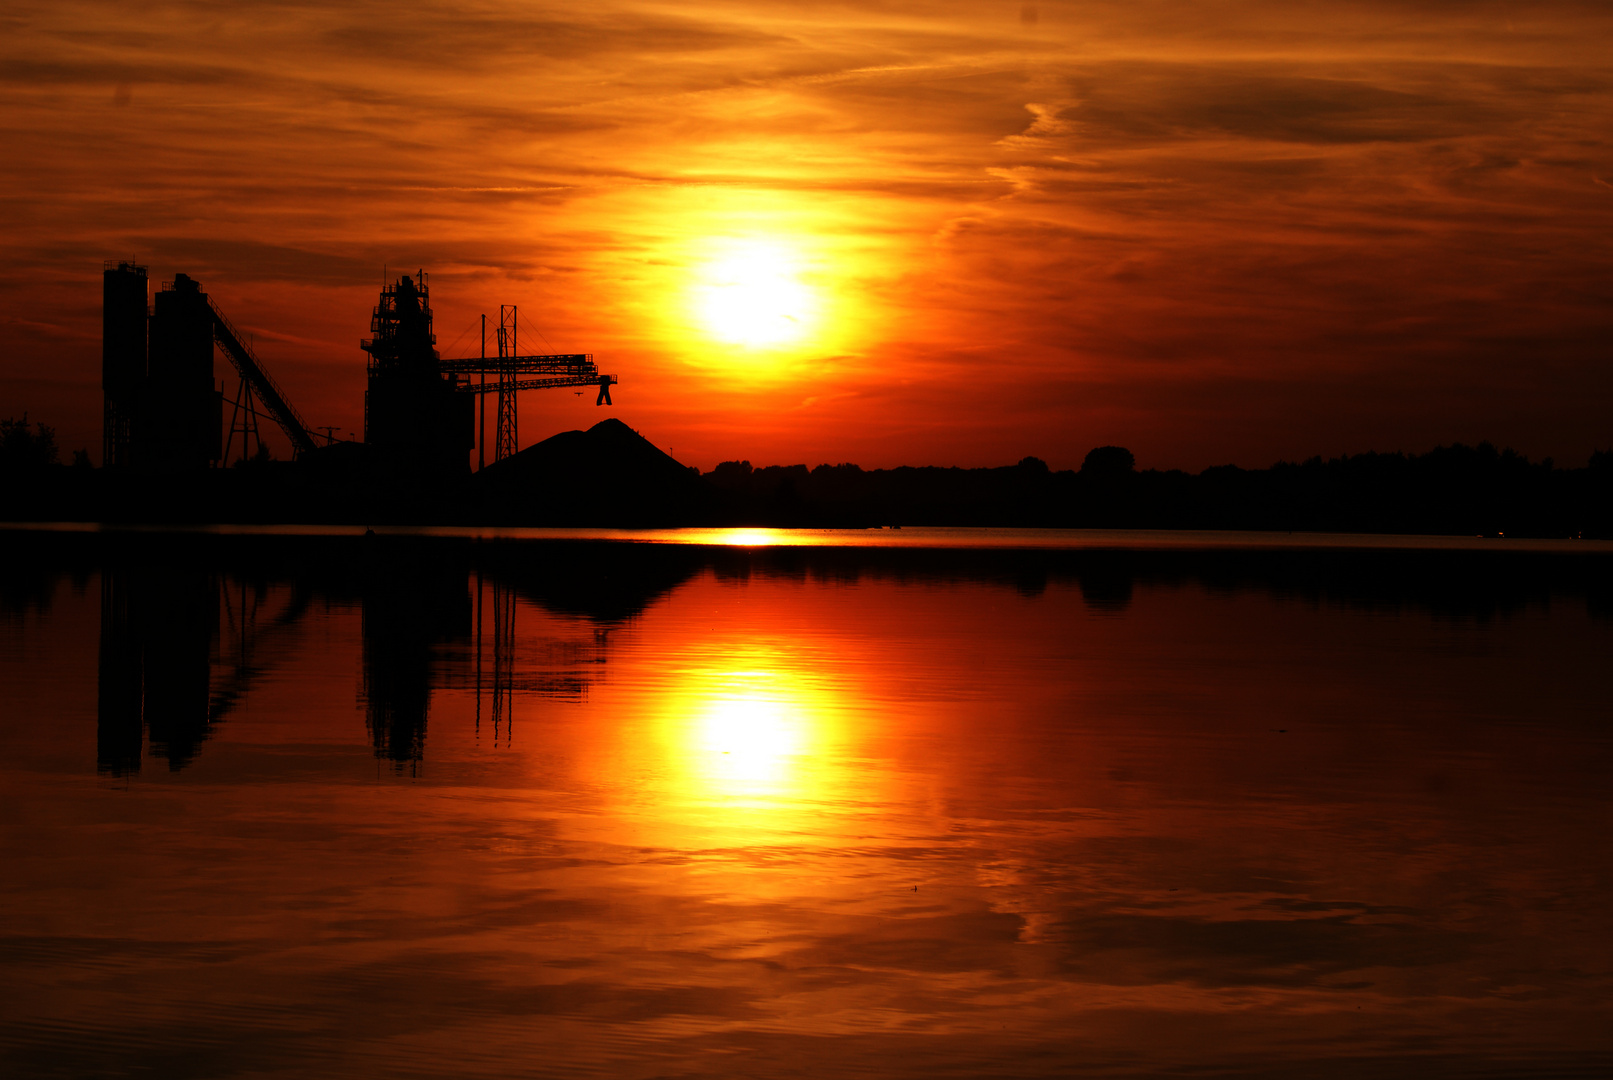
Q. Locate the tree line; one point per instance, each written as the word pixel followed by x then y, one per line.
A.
pixel 1458 489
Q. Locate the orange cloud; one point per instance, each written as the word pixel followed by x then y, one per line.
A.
pixel 1226 232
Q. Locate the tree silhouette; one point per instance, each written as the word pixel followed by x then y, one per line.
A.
pixel 25 447
pixel 1109 461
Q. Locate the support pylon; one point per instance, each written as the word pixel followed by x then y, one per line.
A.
pixel 507 440
pixel 481 410
pixel 243 419
pixel 503 660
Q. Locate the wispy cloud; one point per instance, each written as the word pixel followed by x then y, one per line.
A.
pixel 1209 231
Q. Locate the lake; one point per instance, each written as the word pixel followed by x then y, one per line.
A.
pixel 803 805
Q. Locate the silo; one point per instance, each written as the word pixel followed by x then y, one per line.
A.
pixel 123 358
pixel 183 410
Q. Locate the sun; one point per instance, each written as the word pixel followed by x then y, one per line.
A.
pixel 752 295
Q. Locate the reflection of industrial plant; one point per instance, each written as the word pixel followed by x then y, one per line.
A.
pixel 164 409
pixel 432 625
pixel 158 626
pixel 181 648
pixel 187 636
pixel 412 609
pixel 184 642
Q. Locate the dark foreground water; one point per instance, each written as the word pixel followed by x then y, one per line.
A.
pixel 440 807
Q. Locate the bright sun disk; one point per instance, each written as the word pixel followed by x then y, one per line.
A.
pixel 753 296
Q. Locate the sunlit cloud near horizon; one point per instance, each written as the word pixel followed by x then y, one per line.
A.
pixel 889 234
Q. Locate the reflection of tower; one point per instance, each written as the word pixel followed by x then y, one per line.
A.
pixel 477 645
pixel 180 620
pixel 397 687
pixel 157 627
pixel 411 603
pixel 120 692
pixel 503 659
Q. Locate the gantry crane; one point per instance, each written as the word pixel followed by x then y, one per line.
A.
pixel 412 409
pixel 513 372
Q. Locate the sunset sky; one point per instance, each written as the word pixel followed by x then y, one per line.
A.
pixel 886 233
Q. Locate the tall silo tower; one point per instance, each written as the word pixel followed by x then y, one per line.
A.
pixel 123 359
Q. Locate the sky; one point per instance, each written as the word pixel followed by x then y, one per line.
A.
pixel 883 233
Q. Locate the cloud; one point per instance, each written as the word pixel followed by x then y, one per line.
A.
pixel 1374 196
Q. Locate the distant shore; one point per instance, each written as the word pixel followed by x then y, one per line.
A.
pixel 926 538
pixel 612 477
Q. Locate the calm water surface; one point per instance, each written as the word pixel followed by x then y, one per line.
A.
pixel 455 808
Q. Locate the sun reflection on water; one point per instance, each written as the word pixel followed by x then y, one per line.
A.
pixel 752 736
pixel 749 730
pixel 747 537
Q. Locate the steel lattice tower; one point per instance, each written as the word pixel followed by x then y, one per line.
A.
pixel 507 439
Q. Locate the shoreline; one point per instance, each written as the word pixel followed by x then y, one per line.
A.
pixel 939 537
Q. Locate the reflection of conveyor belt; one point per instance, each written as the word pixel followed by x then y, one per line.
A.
pixel 261 651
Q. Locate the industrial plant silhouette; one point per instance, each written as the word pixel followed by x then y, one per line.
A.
pixel 170 427
pixel 164 414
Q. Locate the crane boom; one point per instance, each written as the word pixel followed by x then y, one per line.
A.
pixel 602 381
pixel 540 384
pixel 553 370
pixel 579 364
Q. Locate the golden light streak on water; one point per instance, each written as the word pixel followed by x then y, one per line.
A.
pixel 757 729
pixel 748 730
pixel 745 537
